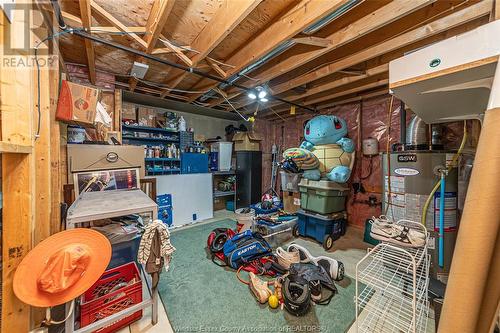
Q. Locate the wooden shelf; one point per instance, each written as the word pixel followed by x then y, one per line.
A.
pixel 6 147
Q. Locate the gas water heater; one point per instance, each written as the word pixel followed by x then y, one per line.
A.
pixel 412 177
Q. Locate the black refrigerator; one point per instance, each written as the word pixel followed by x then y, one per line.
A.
pixel 248 178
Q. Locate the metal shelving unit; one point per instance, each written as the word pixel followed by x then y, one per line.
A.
pixel 159 165
pixel 222 195
pixel 391 288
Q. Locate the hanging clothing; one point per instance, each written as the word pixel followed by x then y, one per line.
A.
pixel 155 249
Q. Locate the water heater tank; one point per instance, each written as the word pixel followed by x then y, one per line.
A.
pixel 412 176
pixel 370 147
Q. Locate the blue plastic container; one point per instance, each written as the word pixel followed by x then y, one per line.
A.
pixel 125 252
pixel 323 228
pixel 230 205
pixel 260 211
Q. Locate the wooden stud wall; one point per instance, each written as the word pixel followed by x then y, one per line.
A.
pixel 31 169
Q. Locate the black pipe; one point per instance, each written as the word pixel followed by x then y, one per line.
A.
pixel 57 11
pixel 402 124
pixel 62 25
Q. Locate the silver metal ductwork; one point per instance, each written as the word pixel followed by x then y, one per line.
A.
pixel 417 134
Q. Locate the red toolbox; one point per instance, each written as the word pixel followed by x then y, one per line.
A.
pixel 117 289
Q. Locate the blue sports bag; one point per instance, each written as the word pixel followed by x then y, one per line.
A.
pixel 245 247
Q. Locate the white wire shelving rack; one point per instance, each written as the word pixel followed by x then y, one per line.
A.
pixel 391 287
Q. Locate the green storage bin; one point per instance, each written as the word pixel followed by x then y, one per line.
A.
pixel 322 196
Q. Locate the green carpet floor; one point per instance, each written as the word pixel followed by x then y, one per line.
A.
pixel 199 296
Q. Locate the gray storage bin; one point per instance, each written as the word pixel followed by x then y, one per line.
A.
pixel 275 235
pixel 290 181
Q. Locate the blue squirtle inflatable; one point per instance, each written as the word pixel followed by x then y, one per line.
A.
pixel 329 130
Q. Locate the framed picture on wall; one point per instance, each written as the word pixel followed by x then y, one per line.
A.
pixel 106 180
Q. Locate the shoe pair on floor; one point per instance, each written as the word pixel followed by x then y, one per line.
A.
pixel 299 254
pixel 295 254
pixel 395 233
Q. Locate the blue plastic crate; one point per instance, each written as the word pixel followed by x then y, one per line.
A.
pixel 319 226
pixel 125 252
pixel 164 200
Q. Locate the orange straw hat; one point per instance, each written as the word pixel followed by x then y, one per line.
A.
pixel 62 267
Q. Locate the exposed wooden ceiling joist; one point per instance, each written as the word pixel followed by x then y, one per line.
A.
pixel 85 12
pixel 156 21
pixel 117 24
pixel 291 23
pixel 455 19
pixel 219 27
pixel 379 18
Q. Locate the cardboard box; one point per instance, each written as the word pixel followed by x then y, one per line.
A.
pixel 247 141
pixel 291 202
pixel 146 116
pixel 129 111
pixel 219 204
pixel 77 103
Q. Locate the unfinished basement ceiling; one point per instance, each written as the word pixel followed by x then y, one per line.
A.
pixel 345 59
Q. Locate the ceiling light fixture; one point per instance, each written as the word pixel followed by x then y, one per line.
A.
pixel 259 92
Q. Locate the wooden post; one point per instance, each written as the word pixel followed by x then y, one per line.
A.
pixel 16 106
pixel 117 115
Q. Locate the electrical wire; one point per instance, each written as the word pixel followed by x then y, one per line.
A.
pixel 228 102
pixel 270 108
pixel 38 87
pixel 369 170
pixel 438 183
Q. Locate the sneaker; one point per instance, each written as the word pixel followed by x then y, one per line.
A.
pixel 333 267
pixel 397 234
pixel 304 254
pixel 285 259
pixel 259 288
pixel 315 287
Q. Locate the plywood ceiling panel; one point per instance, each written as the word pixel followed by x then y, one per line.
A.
pixel 257 20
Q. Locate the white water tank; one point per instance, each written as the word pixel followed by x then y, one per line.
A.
pixel 370 146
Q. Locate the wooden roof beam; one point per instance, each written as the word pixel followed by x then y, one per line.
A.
pixel 157 19
pixel 214 32
pixel 111 19
pixel 287 26
pixel 268 115
pixel 85 12
pixel 156 22
pixel 453 20
pixel 76 22
pixel 379 18
pixel 314 41
pixel 380 69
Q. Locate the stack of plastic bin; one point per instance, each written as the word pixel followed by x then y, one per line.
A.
pixel 322 215
pixel 290 187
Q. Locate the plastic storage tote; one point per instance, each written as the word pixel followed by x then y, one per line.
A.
pixel 124 252
pixel 322 196
pixel 290 181
pixel 323 228
pixel 224 152
pixel 104 298
pixel 276 234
